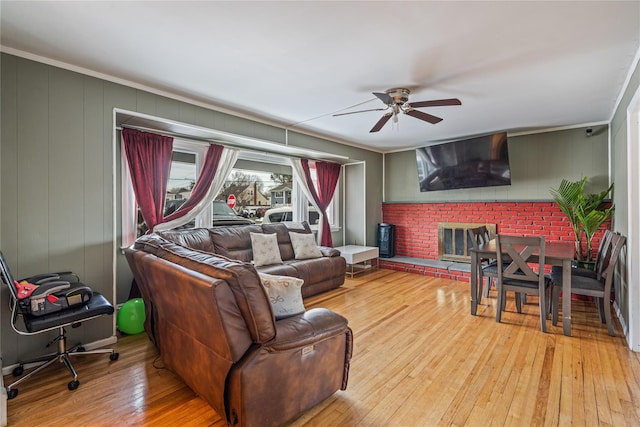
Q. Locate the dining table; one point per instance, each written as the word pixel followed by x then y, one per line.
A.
pixel 556 254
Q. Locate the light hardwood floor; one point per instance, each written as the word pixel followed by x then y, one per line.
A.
pixel 419 359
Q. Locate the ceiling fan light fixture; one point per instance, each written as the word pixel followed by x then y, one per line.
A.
pixel 399 95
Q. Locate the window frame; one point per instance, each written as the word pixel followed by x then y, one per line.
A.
pixel 299 202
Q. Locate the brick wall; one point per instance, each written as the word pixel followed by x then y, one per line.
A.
pixel 416 232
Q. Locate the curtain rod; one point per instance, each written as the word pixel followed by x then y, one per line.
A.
pixel 175 135
pixel 209 141
pixel 203 141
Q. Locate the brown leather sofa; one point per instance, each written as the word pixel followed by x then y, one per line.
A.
pixel 234 242
pixel 212 322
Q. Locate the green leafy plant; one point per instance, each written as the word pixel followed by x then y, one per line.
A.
pixel 585 212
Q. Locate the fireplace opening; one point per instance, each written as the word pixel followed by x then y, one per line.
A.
pixel 454 243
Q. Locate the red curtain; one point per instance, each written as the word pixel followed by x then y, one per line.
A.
pixel 327 178
pixel 149 159
pixel 203 183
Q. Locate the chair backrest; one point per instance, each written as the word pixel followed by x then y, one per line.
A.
pixel 7 277
pixel 603 251
pixel 478 236
pixel 523 251
pixel 617 242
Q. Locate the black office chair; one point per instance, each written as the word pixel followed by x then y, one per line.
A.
pixel 54 304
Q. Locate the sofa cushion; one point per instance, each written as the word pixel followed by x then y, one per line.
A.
pixel 312 327
pixel 194 238
pixel 304 246
pixel 285 294
pixel 149 243
pixel 318 269
pixel 279 269
pixel 265 249
pixel 298 227
pixel 234 242
pixel 284 242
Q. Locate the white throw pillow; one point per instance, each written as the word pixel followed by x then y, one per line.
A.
pixel 285 294
pixel 265 249
pixel 304 246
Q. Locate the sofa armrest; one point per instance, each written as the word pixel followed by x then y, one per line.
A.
pixel 329 252
pixel 306 329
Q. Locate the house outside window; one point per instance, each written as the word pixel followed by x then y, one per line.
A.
pixel 255 192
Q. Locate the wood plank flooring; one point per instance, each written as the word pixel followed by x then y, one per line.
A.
pixel 419 359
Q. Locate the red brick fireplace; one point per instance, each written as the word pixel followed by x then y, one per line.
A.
pixel 416 227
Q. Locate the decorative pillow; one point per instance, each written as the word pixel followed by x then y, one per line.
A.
pixel 304 246
pixel 285 294
pixel 265 249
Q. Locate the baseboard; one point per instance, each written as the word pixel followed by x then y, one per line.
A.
pixel 623 322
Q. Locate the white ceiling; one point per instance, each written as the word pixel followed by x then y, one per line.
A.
pixel 516 66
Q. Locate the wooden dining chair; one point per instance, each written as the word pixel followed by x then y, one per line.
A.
pixel 599 287
pixel 518 276
pixel 605 244
pixel 488 267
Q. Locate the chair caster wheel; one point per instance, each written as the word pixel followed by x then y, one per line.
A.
pixel 114 356
pixel 18 370
pixel 12 393
pixel 73 385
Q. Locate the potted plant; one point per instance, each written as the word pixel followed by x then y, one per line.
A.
pixel 585 212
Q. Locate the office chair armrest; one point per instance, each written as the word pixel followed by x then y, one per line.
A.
pixel 49 288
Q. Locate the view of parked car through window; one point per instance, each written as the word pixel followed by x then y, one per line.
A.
pixel 247 196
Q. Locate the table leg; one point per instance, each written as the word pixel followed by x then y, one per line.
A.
pixel 566 297
pixel 473 282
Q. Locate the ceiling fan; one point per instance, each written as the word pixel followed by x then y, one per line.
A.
pixel 396 100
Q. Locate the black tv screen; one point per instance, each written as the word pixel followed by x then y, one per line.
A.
pixel 475 162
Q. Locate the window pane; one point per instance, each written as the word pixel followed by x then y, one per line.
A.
pixel 182 178
pixel 257 191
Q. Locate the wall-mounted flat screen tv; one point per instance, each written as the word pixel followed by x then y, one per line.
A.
pixel 474 162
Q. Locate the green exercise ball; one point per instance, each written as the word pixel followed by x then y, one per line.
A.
pixel 130 318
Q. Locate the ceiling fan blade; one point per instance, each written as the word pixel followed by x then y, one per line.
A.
pixel 359 111
pixel 435 103
pixel 383 121
pixel 384 97
pixel 424 116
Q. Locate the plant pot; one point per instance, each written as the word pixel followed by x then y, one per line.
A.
pixel 589 265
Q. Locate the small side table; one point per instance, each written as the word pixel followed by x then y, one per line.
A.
pixel 359 258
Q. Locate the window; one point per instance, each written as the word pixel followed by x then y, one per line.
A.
pixel 182 178
pixel 252 190
pixel 269 184
pixel 266 187
pixel 186 164
pixel 309 213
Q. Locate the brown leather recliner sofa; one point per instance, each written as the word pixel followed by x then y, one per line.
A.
pixel 214 326
pixel 234 242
